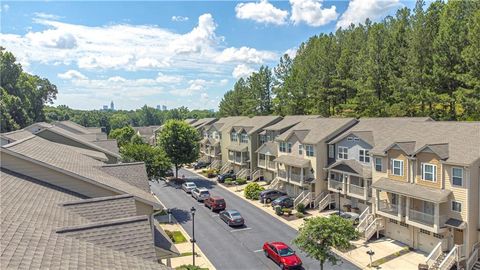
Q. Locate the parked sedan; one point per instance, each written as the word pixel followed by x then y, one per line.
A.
pixel 271 194
pixel 354 217
pixel 188 186
pixel 284 202
pixel 201 165
pixel 200 194
pixel 222 177
pixel 282 255
pixel 215 203
pixel 232 218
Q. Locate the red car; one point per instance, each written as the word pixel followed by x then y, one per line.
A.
pixel 282 254
pixel 215 203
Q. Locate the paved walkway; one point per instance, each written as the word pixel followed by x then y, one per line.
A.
pixel 358 256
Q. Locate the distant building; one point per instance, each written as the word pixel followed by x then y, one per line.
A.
pixel 105 107
pixel 211 110
pixel 159 107
pixel 164 108
pixel 112 106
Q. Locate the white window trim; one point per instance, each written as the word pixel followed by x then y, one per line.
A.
pixel 381 164
pixel 401 167
pixel 300 149
pixel 289 147
pixel 365 155
pixel 434 172
pixel 453 184
pixel 306 150
pixel 451 206
pixel 341 152
pixel 331 151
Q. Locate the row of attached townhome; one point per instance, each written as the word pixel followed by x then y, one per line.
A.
pixel 67 202
pixel 412 179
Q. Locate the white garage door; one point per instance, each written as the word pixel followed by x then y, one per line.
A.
pixel 397 232
pixel 426 242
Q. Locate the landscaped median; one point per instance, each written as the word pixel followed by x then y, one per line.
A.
pixel 388 253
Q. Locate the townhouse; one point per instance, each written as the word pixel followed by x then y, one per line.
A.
pixel 240 142
pixel 63 206
pixel 425 188
pixel 268 150
pixel 349 167
pixel 210 144
pixel 302 157
pixel 148 133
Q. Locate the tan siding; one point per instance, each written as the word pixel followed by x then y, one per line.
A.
pixel 459 194
pixel 377 175
pixel 53 177
pixel 431 159
pixel 143 209
pixel 400 155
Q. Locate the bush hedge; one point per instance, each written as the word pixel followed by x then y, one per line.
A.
pixel 252 191
pixel 241 181
pixel 301 208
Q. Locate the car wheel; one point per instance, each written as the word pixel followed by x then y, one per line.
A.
pixel 268 200
pixel 266 253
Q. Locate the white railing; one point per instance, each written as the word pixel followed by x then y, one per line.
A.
pixel 356 190
pixel 256 174
pixel 387 207
pixel 274 183
pixel 243 173
pixel 226 167
pixel 421 217
pixel 318 198
pixel 325 201
pixel 333 184
pixel 376 225
pixel 305 197
pixel 365 219
pixel 365 213
pixel 434 255
pixel 450 259
pixel 473 258
pixel 296 177
pixel 216 164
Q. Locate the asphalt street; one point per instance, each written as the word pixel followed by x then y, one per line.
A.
pixel 230 248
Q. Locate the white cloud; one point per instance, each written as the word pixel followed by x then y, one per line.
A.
pixel 130 47
pixel 116 79
pixel 72 75
pixel 242 71
pixel 359 10
pixel 292 52
pixel 204 97
pixel 47 16
pixel 223 82
pixel 179 19
pixel 261 12
pixel 245 55
pixel 312 13
pixel 171 79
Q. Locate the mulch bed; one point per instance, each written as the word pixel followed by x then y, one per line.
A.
pixel 293 217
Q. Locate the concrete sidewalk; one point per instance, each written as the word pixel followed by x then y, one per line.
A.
pixel 358 256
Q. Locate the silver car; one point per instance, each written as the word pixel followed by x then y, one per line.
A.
pixel 200 194
pixel 188 186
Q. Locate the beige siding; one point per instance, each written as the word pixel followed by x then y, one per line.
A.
pixel 377 175
pixel 431 159
pixel 400 155
pixel 143 209
pixel 459 194
pixel 53 177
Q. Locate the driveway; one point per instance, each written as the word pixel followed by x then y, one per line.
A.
pixel 229 248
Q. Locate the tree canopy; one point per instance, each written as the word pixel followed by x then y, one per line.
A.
pixel 156 161
pixel 180 142
pixel 420 62
pixel 319 235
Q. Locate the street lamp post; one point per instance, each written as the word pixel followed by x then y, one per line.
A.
pixel 192 211
pixel 339 189
pixel 370 253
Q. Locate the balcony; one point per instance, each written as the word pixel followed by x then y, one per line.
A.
pixel 388 208
pixel 296 177
pixel 262 163
pixel 282 174
pixel 272 165
pixel 422 217
pixel 334 185
pixel 356 190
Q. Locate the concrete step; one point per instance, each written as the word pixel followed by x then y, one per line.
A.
pixel 476 266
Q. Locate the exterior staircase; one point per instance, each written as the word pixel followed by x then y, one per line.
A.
pixel 204 159
pixel 476 266
pixel 439 260
pixel 256 174
pixel 243 173
pixel 226 167
pixel 324 200
pixel 473 261
pixel 374 227
pixel 275 184
pixel 216 164
pixel 305 198
pixel 365 219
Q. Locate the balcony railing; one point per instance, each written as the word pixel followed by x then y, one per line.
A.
pixel 296 177
pixel 262 163
pixel 421 217
pixel 333 184
pixel 271 165
pixel 356 190
pixel 387 207
pixel 282 174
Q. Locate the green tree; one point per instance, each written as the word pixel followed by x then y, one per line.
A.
pixel 180 142
pixel 156 161
pixel 319 235
pixel 125 135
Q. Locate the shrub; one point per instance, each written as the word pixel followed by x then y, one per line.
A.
pixel 287 211
pixel 301 208
pixel 176 236
pixel 190 267
pixel 278 210
pixel 252 191
pixel 241 181
pixel 299 215
pixel 228 181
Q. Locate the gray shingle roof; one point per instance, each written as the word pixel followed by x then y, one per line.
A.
pixel 312 131
pixel 74 127
pixel 256 123
pixel 32 211
pixel 293 161
pixel 133 173
pixel 289 121
pixel 62 158
pixel 353 166
pixel 268 148
pixel 203 122
pixel 110 145
pixel 16 135
pixel 225 123
pixel 412 190
pixel 238 147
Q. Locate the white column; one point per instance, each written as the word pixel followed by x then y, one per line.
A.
pixel 377 200
pixel 407 206
pixel 436 217
pixel 400 206
pixel 241 157
pixel 301 176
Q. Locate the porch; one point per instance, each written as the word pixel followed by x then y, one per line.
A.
pixel 351 178
pixel 294 170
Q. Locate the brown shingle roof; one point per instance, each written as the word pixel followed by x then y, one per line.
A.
pixel 256 123
pixel 32 211
pixel 133 173
pixel 63 159
pixel 289 121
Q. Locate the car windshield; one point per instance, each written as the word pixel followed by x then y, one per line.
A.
pixel 191 185
pixel 285 252
pixel 204 192
pixel 235 215
pixel 220 201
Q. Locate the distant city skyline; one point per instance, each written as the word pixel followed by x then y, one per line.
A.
pixel 186 55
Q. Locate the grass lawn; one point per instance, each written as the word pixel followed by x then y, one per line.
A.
pixel 176 236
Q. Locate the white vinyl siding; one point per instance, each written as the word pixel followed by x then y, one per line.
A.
pixel 342 152
pixel 429 172
pixel 397 167
pixel 457 176
pixel 309 150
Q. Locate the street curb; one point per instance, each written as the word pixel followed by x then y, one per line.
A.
pixel 337 252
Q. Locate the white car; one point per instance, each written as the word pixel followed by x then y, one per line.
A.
pixel 188 186
pixel 200 194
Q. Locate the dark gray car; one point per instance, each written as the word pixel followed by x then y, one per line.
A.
pixel 232 218
pixel 269 195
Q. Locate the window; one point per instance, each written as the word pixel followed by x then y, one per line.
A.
pixel 391 220
pixel 289 147
pixel 397 167
pixel 300 149
pixel 282 147
pixel 244 138
pixel 429 172
pixel 331 151
pixel 364 156
pixel 457 176
pixel 263 139
pixel 350 139
pixel 378 164
pixel 309 150
pixel 233 136
pixel 342 152
pixel 456 206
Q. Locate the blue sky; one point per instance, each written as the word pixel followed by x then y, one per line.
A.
pixel 186 53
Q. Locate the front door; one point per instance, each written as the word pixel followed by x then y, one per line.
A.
pixel 458 237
